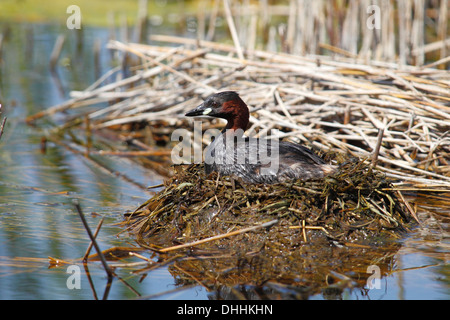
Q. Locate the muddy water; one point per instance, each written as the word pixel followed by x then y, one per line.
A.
pixel 37 189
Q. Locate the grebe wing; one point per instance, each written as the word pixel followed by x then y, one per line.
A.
pixel 300 153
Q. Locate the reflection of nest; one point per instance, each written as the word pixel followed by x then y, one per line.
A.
pixel 292 232
pixel 275 274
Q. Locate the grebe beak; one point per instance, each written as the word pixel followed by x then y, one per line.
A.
pixel 201 110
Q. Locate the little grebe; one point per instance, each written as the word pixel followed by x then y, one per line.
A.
pixel 254 160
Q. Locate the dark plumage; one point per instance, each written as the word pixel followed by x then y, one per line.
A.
pixel 254 160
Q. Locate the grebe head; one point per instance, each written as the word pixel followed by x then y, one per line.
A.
pixel 226 105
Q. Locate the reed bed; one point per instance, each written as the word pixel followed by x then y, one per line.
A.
pixel 337 104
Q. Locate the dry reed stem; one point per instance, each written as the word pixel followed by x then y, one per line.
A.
pixel 218 237
pixel 334 103
pixel 2 127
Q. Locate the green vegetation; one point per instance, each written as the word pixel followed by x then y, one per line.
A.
pixel 94 12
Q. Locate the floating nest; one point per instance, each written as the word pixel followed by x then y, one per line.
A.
pixel 282 240
pixel 355 205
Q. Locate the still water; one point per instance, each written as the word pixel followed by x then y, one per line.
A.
pixel 37 216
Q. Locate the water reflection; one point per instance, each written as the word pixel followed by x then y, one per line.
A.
pixel 314 269
pixel 36 189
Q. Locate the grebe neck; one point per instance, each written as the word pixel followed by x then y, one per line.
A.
pixel 237 115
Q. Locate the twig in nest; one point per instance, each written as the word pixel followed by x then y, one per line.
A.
pixel 411 211
pixel 220 236
pixel 376 151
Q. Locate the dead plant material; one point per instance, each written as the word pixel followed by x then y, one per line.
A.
pixel 334 103
pixel 357 204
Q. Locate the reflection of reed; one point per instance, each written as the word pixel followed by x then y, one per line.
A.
pixel 340 103
pixel 2 126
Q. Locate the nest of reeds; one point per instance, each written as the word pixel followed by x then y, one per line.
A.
pixel 226 233
pixel 356 204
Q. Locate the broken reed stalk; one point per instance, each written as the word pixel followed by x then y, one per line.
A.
pixel 3 123
pixel 232 27
pixel 218 237
pixel 108 271
pixel 56 52
pixel 376 152
pixel 133 153
pixel 97 230
pixel 96 162
pixel 408 206
pixel 1 46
